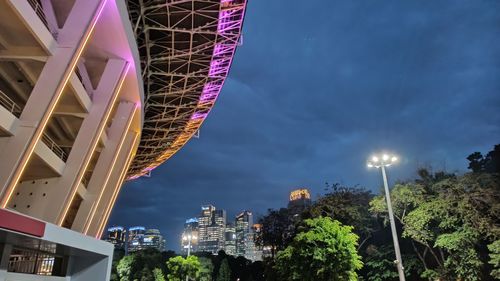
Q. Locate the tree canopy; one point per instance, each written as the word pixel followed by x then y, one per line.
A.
pixel 179 268
pixel 323 249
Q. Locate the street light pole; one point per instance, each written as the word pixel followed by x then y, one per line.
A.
pixel 189 246
pixel 399 260
pixel 189 238
pixel 382 163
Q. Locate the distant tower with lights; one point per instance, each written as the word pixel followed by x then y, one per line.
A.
pixel 190 230
pixel 211 227
pixel 300 199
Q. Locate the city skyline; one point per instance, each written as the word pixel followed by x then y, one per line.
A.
pixel 311 106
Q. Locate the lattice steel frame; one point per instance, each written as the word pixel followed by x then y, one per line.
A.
pixel 186 49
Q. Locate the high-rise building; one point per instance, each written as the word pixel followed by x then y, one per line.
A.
pixel 117 235
pixel 136 238
pixel 153 239
pixel 230 240
pixel 140 238
pixel 245 245
pixel 257 238
pixel 190 230
pixel 300 199
pixel 211 227
pixel 84 107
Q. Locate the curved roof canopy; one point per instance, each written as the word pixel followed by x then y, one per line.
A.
pixel 186 48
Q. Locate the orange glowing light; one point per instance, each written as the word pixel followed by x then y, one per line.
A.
pixel 302 193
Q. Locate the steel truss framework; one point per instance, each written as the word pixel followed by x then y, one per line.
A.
pixel 186 49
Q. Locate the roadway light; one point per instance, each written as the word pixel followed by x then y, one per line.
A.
pixel 382 165
pixel 370 165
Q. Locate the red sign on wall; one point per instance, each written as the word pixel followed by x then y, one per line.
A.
pixel 16 222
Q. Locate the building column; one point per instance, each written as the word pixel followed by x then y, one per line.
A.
pixel 5 250
pixel 105 96
pixel 105 165
pixel 113 186
pixel 46 93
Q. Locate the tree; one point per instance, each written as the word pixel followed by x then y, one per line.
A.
pixel 158 275
pixel 224 271
pixel 489 163
pixel 323 249
pixel 494 249
pixel 180 267
pixel 348 205
pixel 206 269
pixel 125 268
pixel 447 218
pixel 275 230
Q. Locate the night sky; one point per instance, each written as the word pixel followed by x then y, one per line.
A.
pixel 316 88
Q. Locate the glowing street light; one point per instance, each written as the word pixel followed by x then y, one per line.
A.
pixel 189 238
pixel 382 162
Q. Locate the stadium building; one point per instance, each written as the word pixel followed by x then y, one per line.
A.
pixel 94 93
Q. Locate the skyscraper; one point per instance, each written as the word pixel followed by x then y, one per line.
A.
pixel 257 237
pixel 190 230
pixel 117 235
pixel 136 238
pixel 153 239
pixel 211 227
pixel 230 240
pixel 245 245
pixel 300 199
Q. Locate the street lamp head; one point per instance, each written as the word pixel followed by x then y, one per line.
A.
pixel 384 160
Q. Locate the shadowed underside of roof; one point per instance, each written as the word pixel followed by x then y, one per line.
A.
pixel 186 48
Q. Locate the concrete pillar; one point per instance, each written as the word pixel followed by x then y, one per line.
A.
pixel 46 93
pixel 112 188
pixel 86 141
pixel 105 165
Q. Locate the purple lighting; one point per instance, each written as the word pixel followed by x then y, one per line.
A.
pixel 228 37
pixel 230 20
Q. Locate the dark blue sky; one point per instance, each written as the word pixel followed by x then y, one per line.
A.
pixel 316 88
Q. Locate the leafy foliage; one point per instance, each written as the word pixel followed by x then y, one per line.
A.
pixel 349 206
pixel 206 269
pixel 277 228
pixel 158 275
pixel 224 271
pixel 180 267
pixel 448 217
pixel 125 268
pixel 324 249
pixel 494 249
pixel 489 163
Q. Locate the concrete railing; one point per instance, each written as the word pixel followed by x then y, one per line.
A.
pixel 38 8
pixel 54 147
pixel 10 105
